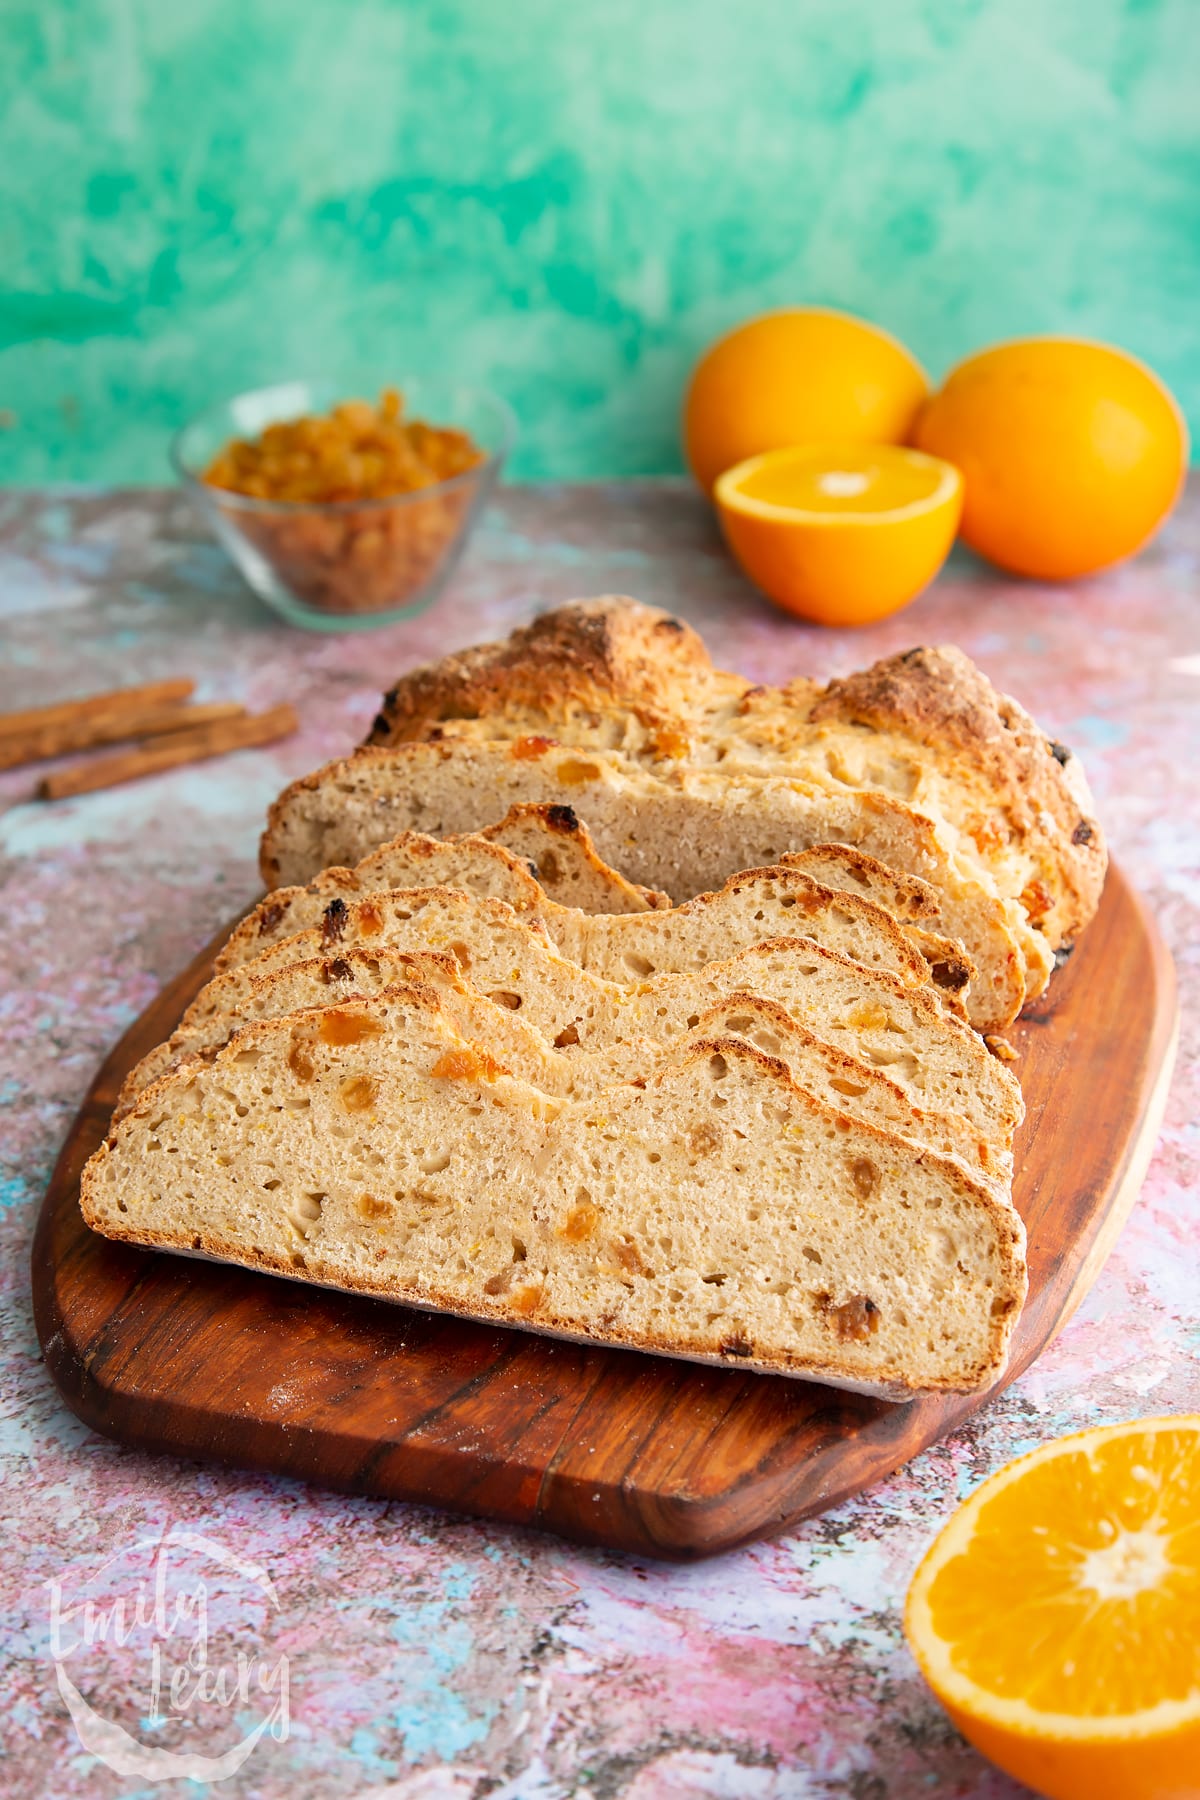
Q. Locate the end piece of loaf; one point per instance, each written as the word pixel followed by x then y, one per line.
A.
pixel 925 726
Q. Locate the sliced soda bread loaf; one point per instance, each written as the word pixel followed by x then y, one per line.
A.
pixel 926 727
pixel 684 832
pixel 495 1031
pixel 712 1210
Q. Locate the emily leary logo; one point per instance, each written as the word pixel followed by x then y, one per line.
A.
pixel 166 1641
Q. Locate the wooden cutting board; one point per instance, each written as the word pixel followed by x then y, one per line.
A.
pixel 610 1447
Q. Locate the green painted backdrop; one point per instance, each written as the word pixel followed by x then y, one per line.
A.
pixel 566 198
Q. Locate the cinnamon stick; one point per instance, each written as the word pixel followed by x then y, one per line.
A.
pixel 110 728
pixel 244 733
pixel 116 700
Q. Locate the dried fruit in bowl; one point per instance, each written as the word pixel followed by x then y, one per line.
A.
pixel 355 452
pixel 353 514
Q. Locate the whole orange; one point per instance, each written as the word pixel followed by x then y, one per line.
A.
pixel 800 376
pixel 1072 453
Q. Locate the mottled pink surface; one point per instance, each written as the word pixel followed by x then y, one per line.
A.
pixel 429 1657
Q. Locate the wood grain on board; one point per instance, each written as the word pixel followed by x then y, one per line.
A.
pixel 635 1452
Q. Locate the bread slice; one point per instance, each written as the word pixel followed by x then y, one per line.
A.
pixel 686 833
pixel 489 938
pixel 752 905
pixel 828 1074
pixel 711 1210
pixel 926 727
pixel 470 863
pixel 757 903
pixel 558 846
pixel 939 1063
pixel 840 866
pixel 241 996
pixel 530 856
pixel 478 866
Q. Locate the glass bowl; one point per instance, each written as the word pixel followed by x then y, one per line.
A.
pixel 346 565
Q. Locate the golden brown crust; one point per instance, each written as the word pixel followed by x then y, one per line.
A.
pixel 905 896
pixel 938 698
pixel 586 656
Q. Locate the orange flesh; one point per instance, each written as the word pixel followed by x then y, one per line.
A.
pixel 1079 1592
pixel 861 486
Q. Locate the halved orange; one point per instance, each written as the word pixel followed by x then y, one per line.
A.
pixel 1057 1616
pixel 842 534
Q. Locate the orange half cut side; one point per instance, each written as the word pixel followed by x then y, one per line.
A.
pixel 1057 1616
pixel 842 534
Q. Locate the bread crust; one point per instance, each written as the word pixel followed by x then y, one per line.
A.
pixel 938 698
pixel 578 658
pixel 904 896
